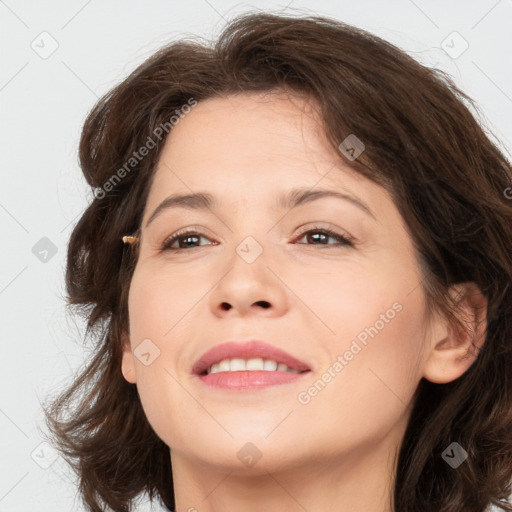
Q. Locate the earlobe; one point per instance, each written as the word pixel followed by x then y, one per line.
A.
pixel 128 362
pixel 453 348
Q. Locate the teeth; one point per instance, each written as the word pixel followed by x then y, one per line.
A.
pixel 223 366
pixel 270 365
pixel 237 365
pixel 256 364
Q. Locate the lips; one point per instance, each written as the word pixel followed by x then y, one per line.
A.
pixel 246 350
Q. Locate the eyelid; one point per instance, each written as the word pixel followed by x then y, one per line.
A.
pixel 332 231
pixel 190 230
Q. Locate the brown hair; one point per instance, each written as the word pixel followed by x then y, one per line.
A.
pixel 422 143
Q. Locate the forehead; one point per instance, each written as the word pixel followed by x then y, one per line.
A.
pixel 250 141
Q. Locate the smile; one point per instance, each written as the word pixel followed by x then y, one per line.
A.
pixel 252 365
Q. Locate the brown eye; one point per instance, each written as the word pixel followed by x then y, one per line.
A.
pixel 320 236
pixel 185 240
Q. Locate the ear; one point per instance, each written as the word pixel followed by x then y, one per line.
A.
pixel 454 349
pixel 128 361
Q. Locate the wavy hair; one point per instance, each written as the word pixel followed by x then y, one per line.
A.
pixel 448 179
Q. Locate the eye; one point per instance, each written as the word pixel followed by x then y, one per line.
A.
pixel 184 238
pixel 322 235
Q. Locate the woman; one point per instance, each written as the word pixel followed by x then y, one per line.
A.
pixel 297 270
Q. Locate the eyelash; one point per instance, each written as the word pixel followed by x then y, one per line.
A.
pixel 344 240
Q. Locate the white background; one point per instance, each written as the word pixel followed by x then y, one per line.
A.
pixel 44 102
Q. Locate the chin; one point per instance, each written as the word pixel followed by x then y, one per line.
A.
pixel 246 453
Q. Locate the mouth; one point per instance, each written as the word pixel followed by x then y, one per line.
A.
pixel 250 365
pixel 241 365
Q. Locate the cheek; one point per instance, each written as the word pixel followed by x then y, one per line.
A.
pixel 156 303
pixel 157 312
pixel 373 369
pixel 351 299
pixel 372 338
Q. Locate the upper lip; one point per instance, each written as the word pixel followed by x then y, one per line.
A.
pixel 246 350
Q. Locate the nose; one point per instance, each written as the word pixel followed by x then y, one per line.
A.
pixel 249 288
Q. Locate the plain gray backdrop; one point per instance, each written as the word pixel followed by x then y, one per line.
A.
pixel 57 59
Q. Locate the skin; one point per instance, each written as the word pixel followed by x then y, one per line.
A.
pixel 337 451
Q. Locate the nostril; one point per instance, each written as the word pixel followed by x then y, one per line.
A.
pixel 263 303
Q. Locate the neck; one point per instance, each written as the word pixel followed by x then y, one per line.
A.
pixel 360 481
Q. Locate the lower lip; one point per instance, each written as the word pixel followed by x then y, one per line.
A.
pixel 249 379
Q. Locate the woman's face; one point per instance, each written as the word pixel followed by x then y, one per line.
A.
pixel 259 268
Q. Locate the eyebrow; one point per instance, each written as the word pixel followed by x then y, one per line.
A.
pixel 295 197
